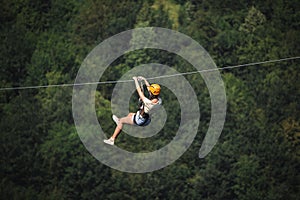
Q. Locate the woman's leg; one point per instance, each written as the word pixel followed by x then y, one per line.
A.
pixel 123 120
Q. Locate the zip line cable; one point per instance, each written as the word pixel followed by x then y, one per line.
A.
pixel 150 78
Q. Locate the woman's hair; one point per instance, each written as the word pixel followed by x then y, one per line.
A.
pixel 152 96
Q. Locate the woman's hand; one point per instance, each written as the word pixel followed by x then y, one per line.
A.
pixel 141 78
pixel 144 79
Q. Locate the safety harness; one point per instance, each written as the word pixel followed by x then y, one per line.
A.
pixel 141 105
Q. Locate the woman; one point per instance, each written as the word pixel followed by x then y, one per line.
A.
pixel 141 117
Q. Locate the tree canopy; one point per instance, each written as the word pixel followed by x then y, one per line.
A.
pixel 45 42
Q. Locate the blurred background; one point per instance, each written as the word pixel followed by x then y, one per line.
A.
pixel 45 42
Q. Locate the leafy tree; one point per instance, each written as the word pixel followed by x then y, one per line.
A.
pixel 44 42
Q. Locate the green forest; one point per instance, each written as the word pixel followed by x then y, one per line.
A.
pixel 45 42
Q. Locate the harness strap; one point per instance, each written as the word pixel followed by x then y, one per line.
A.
pixel 141 104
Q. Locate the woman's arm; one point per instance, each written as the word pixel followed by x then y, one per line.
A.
pixel 146 82
pixel 138 88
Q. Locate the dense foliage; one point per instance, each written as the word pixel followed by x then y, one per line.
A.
pixel 45 42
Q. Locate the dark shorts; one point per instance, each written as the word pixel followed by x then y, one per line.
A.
pixel 141 120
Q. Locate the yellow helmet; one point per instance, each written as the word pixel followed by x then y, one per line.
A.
pixel 154 89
